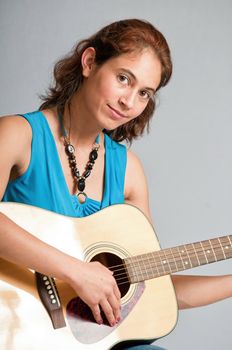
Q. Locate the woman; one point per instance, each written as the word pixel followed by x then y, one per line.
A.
pixel 104 93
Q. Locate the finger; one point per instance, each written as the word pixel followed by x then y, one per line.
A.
pixel 97 314
pixel 116 307
pixel 117 292
pixel 108 311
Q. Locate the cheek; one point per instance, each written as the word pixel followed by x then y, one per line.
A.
pixel 138 109
pixel 108 89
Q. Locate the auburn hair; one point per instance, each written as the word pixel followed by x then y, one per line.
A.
pixel 117 38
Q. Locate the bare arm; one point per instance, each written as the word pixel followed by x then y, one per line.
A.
pixel 195 291
pixel 191 291
pixel 92 281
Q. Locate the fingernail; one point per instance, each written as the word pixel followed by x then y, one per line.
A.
pixel 100 322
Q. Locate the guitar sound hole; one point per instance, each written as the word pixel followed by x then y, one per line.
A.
pixel 76 308
pixel 115 264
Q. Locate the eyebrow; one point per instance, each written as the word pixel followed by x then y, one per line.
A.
pixel 134 77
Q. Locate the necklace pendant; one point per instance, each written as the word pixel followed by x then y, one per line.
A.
pixel 81 184
pixel 81 196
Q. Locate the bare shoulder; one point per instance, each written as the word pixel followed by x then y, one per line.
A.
pixel 14 123
pixel 134 166
pixel 136 189
pixel 132 157
pixel 15 135
pixel 135 177
pixel 15 141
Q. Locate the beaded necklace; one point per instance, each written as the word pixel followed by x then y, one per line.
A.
pixel 79 179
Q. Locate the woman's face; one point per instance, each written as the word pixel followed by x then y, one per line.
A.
pixel 119 90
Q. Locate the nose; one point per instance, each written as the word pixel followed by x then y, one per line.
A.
pixel 127 101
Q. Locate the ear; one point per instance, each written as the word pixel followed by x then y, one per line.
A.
pixel 88 61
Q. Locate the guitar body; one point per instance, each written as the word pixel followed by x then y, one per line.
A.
pixel 149 309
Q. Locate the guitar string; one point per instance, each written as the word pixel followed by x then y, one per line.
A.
pixel 220 248
pixel 173 255
pixel 171 261
pixel 151 269
pixel 193 252
pixel 124 277
pixel 158 269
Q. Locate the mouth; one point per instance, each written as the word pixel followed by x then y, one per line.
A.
pixel 115 113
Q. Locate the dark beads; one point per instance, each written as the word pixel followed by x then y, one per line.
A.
pixel 93 155
pixel 76 172
pixel 80 180
pixel 86 173
pixel 69 149
pixel 81 184
pixel 90 166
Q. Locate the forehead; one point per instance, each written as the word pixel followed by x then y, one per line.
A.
pixel 144 65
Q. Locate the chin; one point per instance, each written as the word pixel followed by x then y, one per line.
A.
pixel 110 126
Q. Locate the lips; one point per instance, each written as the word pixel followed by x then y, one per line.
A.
pixel 115 114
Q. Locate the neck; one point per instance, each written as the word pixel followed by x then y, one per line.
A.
pixel 83 130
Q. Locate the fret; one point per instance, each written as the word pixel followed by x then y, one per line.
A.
pixel 212 249
pixel 190 257
pixel 144 269
pixel 150 267
pixel 227 246
pixel 166 261
pixel 184 257
pixel 200 253
pixel 229 240
pixel 179 261
pixel 131 269
pixel 173 262
pixel 209 252
pixel 222 249
pixel 196 254
pixel 141 268
pixel 193 255
pixel 139 274
pixel 163 266
pixel 155 264
pixel 230 248
pixel 218 249
pixel 203 250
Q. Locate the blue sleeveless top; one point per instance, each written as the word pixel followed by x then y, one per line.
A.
pixel 43 184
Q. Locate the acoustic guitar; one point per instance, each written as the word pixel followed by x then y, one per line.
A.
pixel 40 313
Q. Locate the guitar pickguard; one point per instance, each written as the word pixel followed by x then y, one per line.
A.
pixel 80 318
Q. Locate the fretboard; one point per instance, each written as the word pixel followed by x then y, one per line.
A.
pixel 164 262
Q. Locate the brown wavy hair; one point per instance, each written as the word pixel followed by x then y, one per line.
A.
pixel 117 38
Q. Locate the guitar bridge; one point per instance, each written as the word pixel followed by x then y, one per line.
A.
pixel 49 297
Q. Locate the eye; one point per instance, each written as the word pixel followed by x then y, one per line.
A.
pixel 123 79
pixel 146 95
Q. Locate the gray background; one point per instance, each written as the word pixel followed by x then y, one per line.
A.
pixel 188 154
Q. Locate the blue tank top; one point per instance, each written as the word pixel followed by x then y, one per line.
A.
pixel 43 184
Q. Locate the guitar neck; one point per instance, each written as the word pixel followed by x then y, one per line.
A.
pixel 164 262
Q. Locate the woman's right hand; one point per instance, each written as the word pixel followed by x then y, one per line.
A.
pixel 96 286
